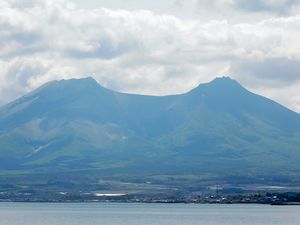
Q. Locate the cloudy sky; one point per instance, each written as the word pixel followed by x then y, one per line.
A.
pixel 152 47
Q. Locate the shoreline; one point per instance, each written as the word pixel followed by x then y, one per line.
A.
pixel 164 203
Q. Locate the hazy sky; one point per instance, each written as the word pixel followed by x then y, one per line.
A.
pixel 152 47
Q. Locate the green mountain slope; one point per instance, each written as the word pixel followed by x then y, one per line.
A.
pixel 218 129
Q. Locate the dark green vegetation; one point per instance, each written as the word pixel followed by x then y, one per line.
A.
pixel 75 134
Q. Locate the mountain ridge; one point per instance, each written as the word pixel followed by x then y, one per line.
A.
pixel 217 128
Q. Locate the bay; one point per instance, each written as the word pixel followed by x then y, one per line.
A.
pixel 145 214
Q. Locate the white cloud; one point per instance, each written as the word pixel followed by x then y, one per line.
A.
pixel 141 51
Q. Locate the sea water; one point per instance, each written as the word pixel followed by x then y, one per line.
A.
pixel 146 214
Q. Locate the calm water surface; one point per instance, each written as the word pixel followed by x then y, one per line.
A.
pixel 146 214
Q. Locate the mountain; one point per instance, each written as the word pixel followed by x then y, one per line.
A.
pixel 217 131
